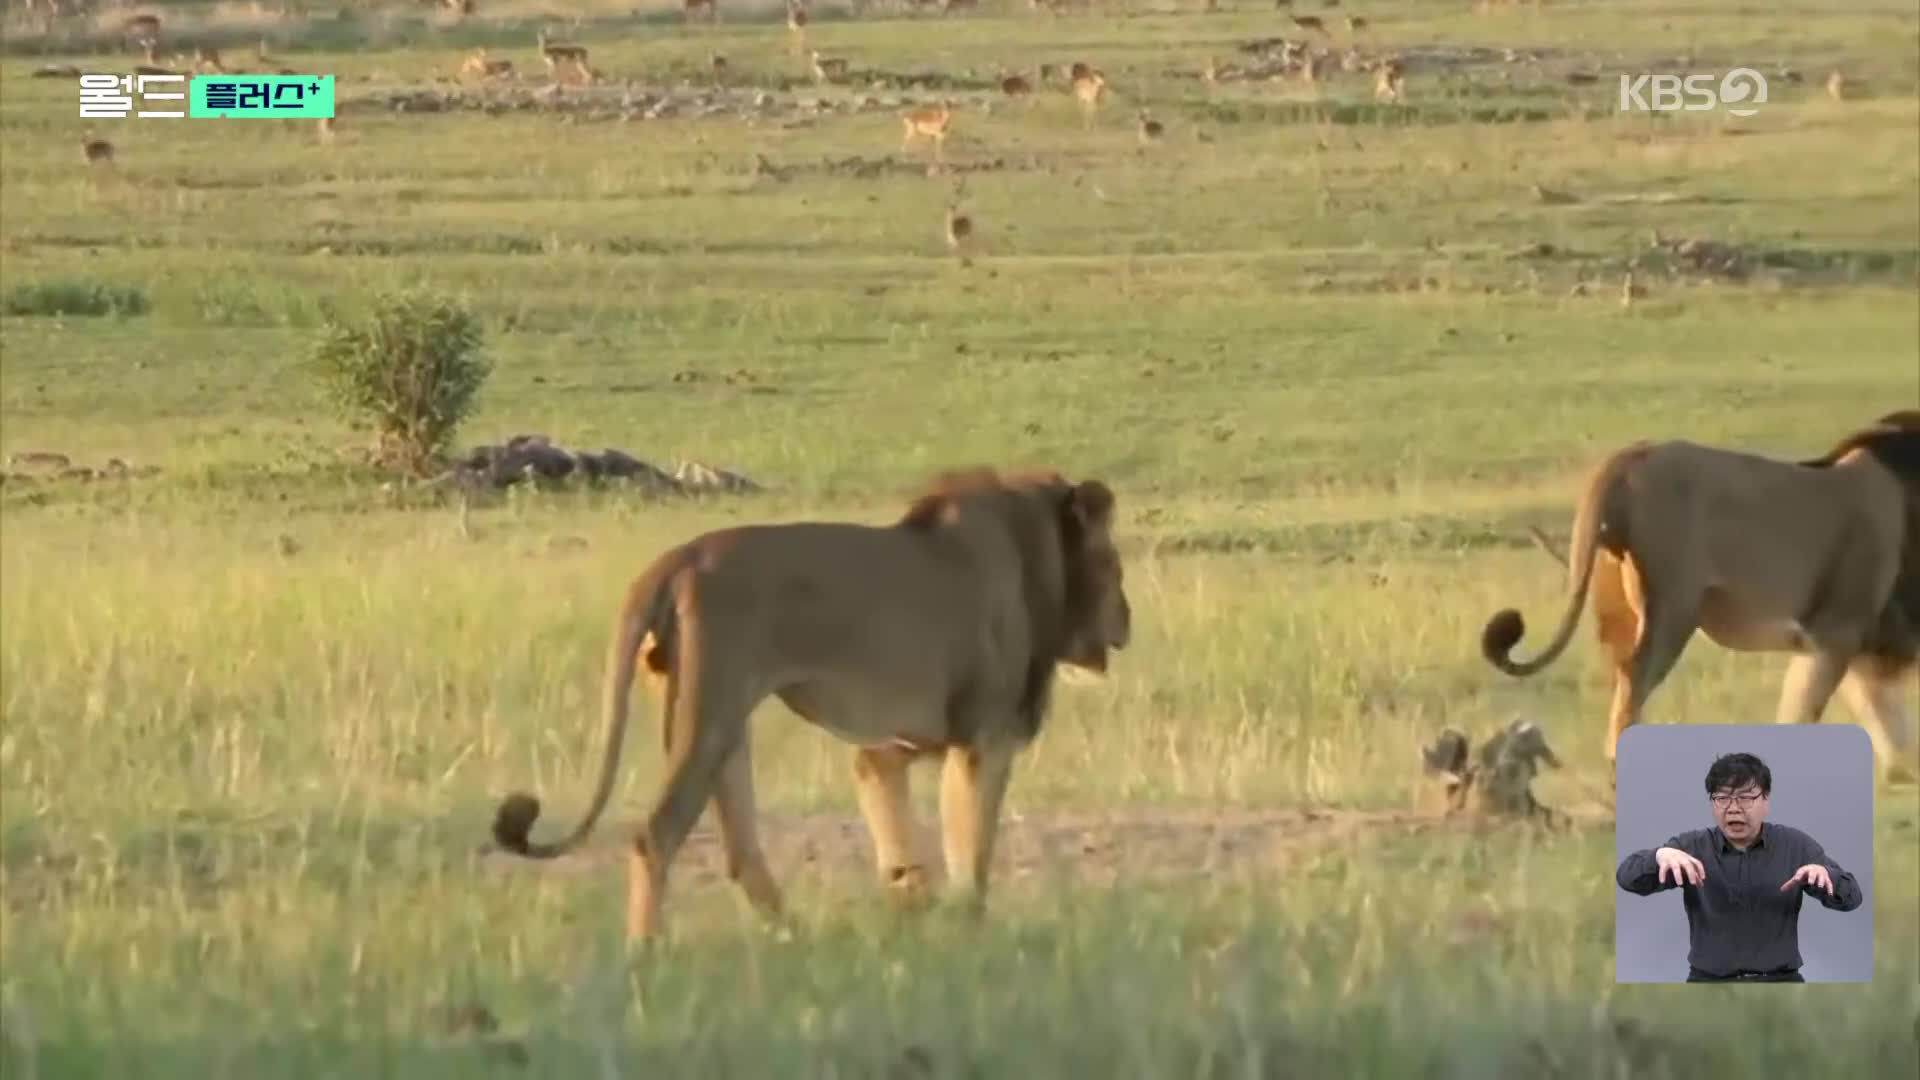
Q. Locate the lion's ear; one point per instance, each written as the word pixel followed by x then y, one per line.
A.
pixel 1091 501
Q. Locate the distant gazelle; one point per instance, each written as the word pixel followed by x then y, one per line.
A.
pixel 142 29
pixel 562 52
pixel 930 122
pixel 829 69
pixel 1314 67
pixel 479 63
pixel 959 233
pixel 1388 80
pixel 1090 89
pixel 797 26
pixel 1631 290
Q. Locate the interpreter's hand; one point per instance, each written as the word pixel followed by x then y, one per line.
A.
pixel 1811 874
pixel 1686 869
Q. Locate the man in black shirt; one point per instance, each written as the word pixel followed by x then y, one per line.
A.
pixel 1742 882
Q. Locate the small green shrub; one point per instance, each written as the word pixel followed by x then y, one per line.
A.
pixel 410 372
pixel 75 297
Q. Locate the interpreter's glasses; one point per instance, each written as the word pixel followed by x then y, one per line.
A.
pixel 1745 801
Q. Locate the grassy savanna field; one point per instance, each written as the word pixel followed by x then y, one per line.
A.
pixel 256 709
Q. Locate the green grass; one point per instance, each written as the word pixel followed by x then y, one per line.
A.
pixel 255 709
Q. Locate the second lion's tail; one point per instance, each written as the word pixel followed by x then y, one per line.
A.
pixel 1507 627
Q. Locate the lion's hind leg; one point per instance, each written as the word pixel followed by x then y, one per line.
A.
pixel 1810 681
pixel 1615 601
pixel 733 804
pixel 1669 613
pixel 706 715
pixel 973 783
pixel 880 778
pixel 1873 695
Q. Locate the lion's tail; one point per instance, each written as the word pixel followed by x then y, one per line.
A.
pixel 649 608
pixel 1506 628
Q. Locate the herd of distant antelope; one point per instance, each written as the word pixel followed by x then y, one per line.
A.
pixel 568 63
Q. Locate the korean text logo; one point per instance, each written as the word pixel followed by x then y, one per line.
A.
pixel 232 97
pixel 111 96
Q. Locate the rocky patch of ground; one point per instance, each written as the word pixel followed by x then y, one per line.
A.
pixel 535 459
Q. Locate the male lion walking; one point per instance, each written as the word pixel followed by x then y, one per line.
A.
pixel 936 635
pixel 1819 558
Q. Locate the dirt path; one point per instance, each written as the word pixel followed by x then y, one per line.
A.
pixel 1093 848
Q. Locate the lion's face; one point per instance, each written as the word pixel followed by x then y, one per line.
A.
pixel 1100 618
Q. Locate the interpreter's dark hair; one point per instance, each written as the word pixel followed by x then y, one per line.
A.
pixel 1731 772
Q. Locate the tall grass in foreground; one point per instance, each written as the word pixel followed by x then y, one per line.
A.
pixel 243 790
pixel 393 657
pixel 327 954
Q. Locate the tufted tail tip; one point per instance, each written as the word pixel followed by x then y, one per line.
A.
pixel 1502 633
pixel 513 822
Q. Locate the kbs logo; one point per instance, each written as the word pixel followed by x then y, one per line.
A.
pixel 1738 90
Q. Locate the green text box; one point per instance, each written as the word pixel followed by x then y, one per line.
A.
pixel 260 97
